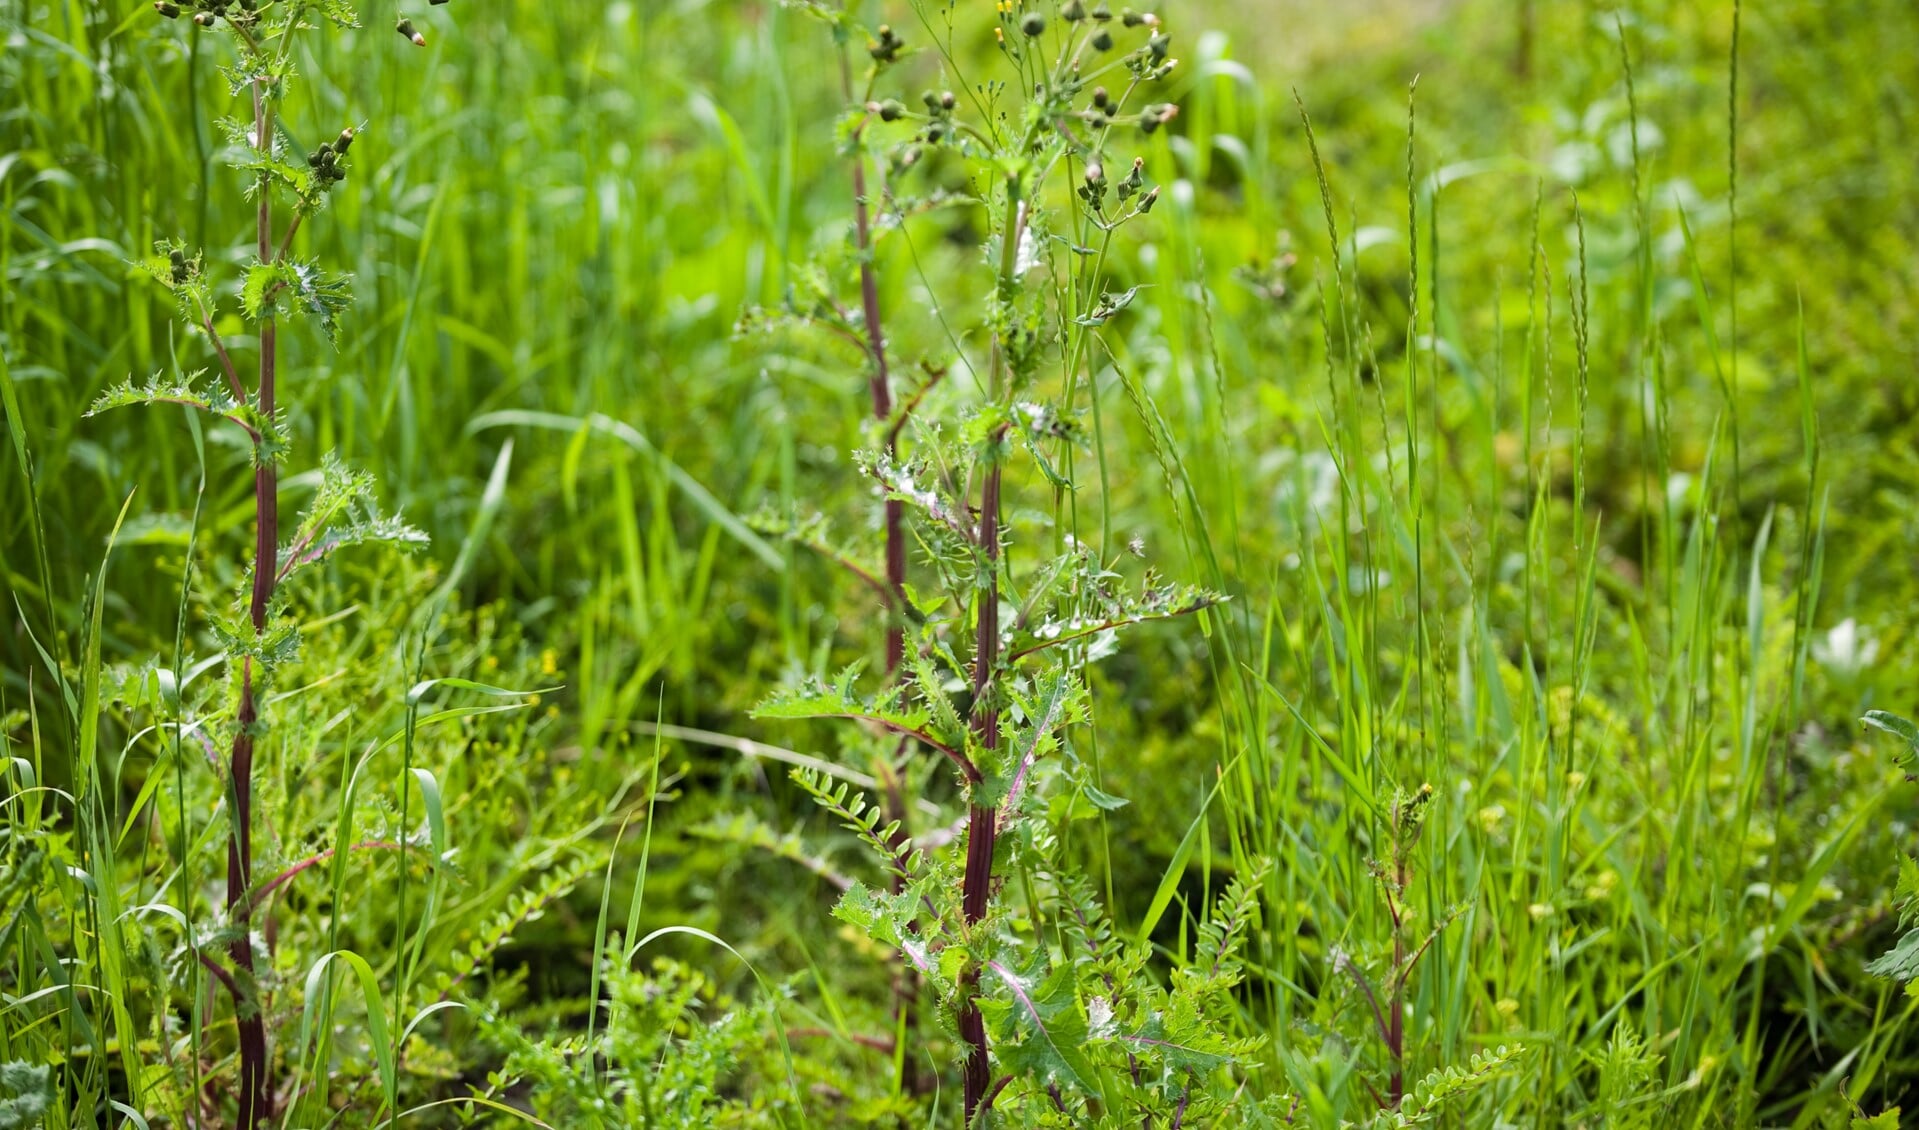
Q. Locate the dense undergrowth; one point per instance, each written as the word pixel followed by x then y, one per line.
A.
pixel 1531 448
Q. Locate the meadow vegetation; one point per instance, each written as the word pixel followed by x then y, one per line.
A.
pixel 952 562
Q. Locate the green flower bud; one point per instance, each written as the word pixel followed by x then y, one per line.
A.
pixel 346 140
pixel 170 11
pixel 405 28
pixel 891 111
pixel 1102 40
pixel 1100 97
pixel 886 45
pixel 1101 12
pixel 178 259
pixel 1074 11
pixel 204 19
pixel 1033 24
pixel 1159 45
pixel 1131 18
pixel 947 100
pixel 1147 201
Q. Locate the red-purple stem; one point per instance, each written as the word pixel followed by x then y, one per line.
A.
pixel 255 1089
pixel 879 383
pixel 982 825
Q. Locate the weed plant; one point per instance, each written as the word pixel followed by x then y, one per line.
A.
pixel 813 449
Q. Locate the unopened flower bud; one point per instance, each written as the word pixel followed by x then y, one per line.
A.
pixel 891 111
pixel 1131 18
pixel 170 11
pixel 1102 40
pixel 405 28
pixel 1101 12
pixel 886 45
pixel 1033 24
pixel 178 259
pixel 1074 11
pixel 947 100
pixel 346 140
pixel 1159 45
pixel 204 19
pixel 1101 97
pixel 1147 201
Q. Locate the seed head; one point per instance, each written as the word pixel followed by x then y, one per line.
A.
pixel 405 28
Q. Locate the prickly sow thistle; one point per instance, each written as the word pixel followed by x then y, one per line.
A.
pixel 285 189
pixel 985 678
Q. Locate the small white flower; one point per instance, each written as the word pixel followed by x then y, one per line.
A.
pixel 1845 650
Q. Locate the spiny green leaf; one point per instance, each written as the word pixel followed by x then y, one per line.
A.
pixel 298 286
pixel 1040 1031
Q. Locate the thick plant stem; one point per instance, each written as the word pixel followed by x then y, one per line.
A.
pixel 255 1087
pixel 880 387
pixel 982 822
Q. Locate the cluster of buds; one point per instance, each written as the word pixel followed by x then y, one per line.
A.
pixel 1409 816
pixel 1101 114
pixel 181 268
pixel 886 45
pixel 939 104
pixel 325 161
pixel 1094 190
pixel 1135 180
pixel 208 12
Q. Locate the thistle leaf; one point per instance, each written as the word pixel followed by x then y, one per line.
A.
pixel 1041 1033
pixel 302 287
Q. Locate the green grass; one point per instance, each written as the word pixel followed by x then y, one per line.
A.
pixel 1536 470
